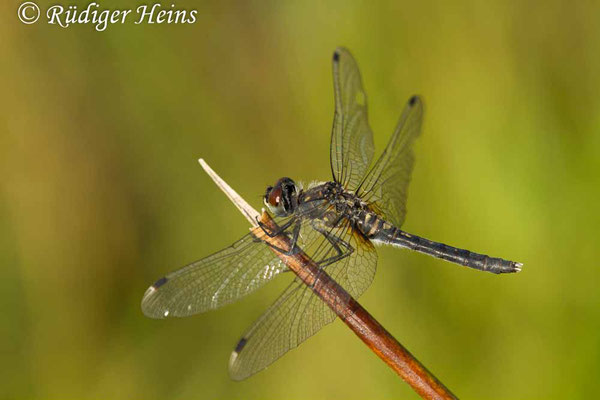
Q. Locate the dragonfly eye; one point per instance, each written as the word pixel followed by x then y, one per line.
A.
pixel 274 196
pixel 282 198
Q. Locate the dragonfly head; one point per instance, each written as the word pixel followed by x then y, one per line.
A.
pixel 282 199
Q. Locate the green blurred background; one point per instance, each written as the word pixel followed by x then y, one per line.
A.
pixel 101 193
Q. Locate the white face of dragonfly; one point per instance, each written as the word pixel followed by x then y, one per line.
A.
pixel 282 199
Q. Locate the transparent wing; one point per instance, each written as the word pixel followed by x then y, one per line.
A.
pixel 214 281
pixel 298 313
pixel 386 184
pixel 351 138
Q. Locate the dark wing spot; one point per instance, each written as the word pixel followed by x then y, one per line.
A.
pixel 413 100
pixel 160 282
pixel 336 56
pixel 240 345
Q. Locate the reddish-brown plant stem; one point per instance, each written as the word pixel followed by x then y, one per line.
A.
pixel 375 336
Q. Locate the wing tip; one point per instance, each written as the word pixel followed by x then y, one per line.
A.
pixel 147 301
pixel 159 282
pixel 234 372
pixel 414 100
pixel 240 345
pixel 337 53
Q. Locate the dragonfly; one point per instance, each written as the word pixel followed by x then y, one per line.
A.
pixel 336 223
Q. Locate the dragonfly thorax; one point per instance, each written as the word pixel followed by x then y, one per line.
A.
pixel 340 203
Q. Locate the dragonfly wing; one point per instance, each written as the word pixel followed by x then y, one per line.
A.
pixel 299 313
pixel 386 184
pixel 213 281
pixel 351 138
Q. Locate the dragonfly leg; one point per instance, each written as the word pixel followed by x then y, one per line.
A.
pixel 343 248
pixel 275 232
pixel 295 234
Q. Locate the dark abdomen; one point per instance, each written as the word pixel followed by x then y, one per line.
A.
pixel 391 235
